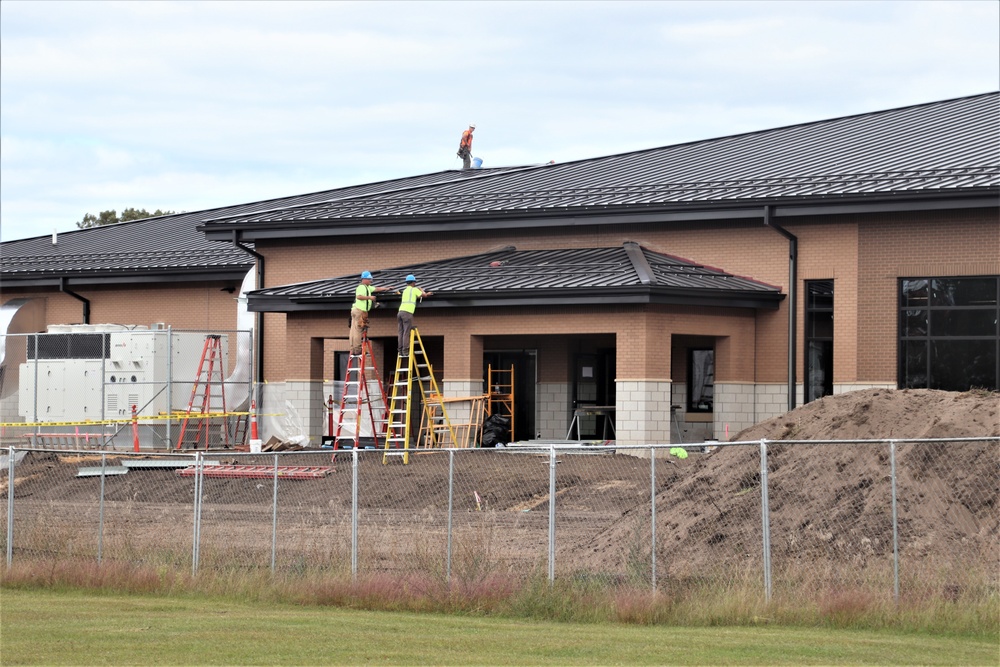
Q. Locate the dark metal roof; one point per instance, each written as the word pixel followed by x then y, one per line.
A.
pixel 154 248
pixel 587 276
pixel 940 149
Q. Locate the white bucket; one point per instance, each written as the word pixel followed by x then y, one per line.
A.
pixel 255 446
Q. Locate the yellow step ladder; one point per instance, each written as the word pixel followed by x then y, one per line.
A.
pixel 415 369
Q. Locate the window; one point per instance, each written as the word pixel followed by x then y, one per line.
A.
pixel 701 380
pixel 949 333
pixel 819 339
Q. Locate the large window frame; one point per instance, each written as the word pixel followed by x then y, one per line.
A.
pixel 949 333
pixel 818 339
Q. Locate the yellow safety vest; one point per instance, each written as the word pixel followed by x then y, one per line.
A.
pixel 410 296
pixel 363 304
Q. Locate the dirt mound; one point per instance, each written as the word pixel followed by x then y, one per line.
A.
pixel 886 413
pixel 832 502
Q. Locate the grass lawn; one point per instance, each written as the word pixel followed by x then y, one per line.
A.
pixel 44 627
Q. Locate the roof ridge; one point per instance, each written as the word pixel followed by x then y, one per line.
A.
pixel 496 171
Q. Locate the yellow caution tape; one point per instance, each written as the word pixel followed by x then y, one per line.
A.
pixel 176 416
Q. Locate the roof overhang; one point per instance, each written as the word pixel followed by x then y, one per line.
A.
pixel 96 279
pixel 602 215
pixel 646 295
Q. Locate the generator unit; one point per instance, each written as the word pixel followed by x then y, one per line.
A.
pixel 78 372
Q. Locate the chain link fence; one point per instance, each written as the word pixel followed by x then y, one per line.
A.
pixel 779 518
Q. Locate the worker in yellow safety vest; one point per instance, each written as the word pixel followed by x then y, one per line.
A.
pixel 411 293
pixel 364 301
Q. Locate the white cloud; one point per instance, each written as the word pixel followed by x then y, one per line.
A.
pixel 191 105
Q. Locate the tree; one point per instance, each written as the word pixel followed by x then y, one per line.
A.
pixel 111 217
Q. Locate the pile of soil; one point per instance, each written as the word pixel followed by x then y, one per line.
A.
pixel 833 500
pixel 886 413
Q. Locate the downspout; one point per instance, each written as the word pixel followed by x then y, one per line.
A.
pixel 86 302
pixel 793 262
pixel 259 328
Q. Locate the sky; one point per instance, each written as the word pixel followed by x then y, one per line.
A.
pixel 187 106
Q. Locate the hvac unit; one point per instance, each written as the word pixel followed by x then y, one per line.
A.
pixel 94 372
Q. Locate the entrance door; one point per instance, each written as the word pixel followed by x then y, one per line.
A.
pixel 523 362
pixel 594 386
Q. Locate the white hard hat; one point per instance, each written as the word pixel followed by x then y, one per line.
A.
pixel 472 125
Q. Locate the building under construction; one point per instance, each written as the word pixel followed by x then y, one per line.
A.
pixel 678 293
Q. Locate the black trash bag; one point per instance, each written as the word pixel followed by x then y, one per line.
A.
pixel 496 430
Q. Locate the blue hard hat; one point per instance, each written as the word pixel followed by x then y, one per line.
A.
pixel 366 275
pixel 411 278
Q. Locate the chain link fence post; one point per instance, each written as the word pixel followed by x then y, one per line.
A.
pixel 652 513
pixel 274 516
pixel 354 514
pixel 765 520
pixel 100 513
pixel 11 457
pixel 199 482
pixel 552 514
pixel 451 509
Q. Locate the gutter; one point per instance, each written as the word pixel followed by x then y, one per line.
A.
pixel 86 302
pixel 793 262
pixel 258 344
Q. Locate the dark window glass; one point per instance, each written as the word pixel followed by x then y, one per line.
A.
pixel 964 292
pixel 915 323
pixel 820 325
pixel 963 323
pixel 960 365
pixel 819 339
pixel 819 362
pixel 820 295
pixel 949 333
pixel 701 380
pixel 914 364
pixel 914 293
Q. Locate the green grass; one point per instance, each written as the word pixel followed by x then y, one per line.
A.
pixel 78 627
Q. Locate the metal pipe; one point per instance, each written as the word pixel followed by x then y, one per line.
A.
pixel 86 302
pixel 793 263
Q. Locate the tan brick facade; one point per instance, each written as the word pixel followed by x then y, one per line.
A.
pixel 863 255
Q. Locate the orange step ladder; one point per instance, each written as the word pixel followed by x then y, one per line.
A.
pixel 209 366
pixel 359 402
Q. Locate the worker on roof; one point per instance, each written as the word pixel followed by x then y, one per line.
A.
pixel 364 302
pixel 465 147
pixel 406 309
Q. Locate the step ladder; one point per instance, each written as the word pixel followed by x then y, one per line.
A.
pixel 436 430
pixel 500 392
pixel 241 429
pixel 208 396
pixel 360 400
